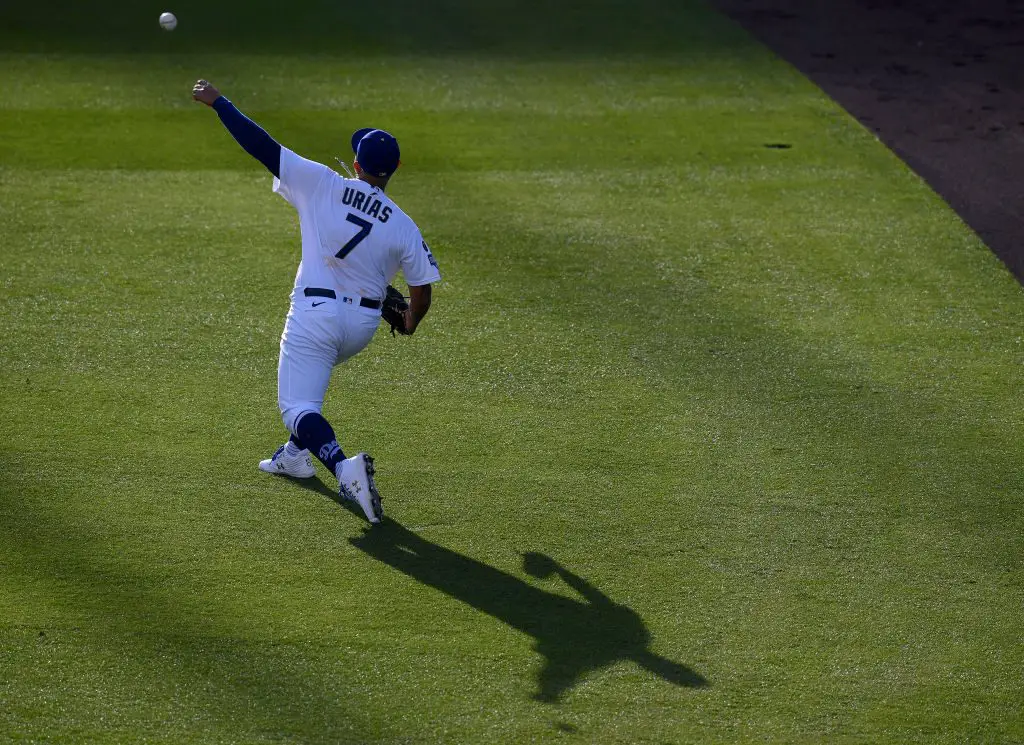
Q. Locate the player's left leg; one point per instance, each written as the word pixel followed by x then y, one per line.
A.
pixel 290 460
pixel 311 427
pixel 306 358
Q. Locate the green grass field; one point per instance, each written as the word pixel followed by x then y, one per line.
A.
pixel 757 410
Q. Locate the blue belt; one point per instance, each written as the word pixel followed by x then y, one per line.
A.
pixel 321 292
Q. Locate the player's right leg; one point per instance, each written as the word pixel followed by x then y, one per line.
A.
pixel 355 480
pixel 354 329
pixel 312 344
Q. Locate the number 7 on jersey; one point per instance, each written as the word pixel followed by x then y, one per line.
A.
pixel 364 230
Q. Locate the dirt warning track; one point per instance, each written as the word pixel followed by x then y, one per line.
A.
pixel 940 82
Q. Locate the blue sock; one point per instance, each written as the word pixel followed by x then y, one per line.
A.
pixel 315 433
pixel 296 442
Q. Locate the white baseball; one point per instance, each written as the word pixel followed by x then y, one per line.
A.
pixel 168 21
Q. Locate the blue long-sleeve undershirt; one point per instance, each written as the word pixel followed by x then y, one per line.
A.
pixel 249 135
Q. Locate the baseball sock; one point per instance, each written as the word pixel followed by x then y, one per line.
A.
pixel 294 446
pixel 316 434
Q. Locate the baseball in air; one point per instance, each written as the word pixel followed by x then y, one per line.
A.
pixel 168 21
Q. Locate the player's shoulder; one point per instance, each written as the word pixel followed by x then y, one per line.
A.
pixel 295 160
pixel 402 217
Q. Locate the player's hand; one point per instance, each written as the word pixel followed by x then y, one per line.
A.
pixel 204 92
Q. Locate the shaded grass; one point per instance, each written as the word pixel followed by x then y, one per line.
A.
pixel 520 27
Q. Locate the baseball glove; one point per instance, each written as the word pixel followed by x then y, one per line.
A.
pixel 393 310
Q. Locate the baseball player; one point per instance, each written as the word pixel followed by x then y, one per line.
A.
pixel 355 239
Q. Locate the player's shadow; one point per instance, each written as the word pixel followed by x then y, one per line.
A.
pixel 574 637
pixel 314 484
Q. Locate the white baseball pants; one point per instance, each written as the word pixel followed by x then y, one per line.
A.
pixel 319 333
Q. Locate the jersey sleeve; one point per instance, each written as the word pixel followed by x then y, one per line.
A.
pixel 418 264
pixel 299 178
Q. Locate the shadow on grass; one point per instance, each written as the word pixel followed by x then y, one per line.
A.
pixel 314 484
pixel 574 637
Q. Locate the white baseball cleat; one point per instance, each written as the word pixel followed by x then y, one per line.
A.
pixel 355 482
pixel 299 466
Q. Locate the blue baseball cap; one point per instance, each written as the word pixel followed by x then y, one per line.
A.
pixel 376 150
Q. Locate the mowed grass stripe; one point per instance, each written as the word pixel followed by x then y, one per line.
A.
pixel 477 141
pixel 586 85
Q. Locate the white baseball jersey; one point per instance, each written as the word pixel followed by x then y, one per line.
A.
pixel 355 239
